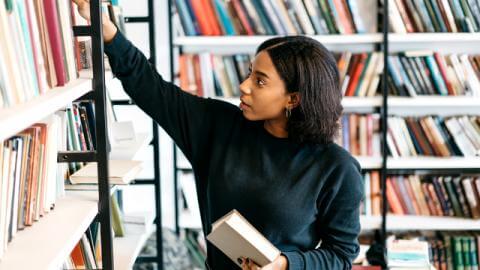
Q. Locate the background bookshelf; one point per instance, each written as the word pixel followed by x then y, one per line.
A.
pixel 390 43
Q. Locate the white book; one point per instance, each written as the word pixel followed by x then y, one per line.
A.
pixel 121 172
pixel 237 238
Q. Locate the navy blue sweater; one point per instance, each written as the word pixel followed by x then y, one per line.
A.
pixel 294 194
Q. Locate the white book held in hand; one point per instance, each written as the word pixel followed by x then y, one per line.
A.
pixel 237 238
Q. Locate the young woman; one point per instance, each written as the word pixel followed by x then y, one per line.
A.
pixel 273 158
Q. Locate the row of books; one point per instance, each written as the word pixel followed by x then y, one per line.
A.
pixel 411 73
pixel 30 178
pixel 87 253
pixel 453 196
pixel 434 136
pixel 274 17
pixel 426 73
pixel 37 48
pixel 446 250
pixel 360 134
pixel 407 16
pixel 360 73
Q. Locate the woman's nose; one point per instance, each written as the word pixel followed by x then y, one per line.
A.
pixel 245 87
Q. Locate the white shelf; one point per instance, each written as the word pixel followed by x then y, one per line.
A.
pixel 126 249
pixel 442 105
pixel 248 44
pixel 444 42
pixel 17 118
pixel 433 162
pixel 130 152
pixel 370 222
pixel 347 102
pixel 407 222
pixel 369 162
pixel 47 243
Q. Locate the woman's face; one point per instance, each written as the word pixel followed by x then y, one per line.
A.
pixel 263 93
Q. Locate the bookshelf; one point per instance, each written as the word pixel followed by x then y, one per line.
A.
pixel 385 104
pixel 48 242
pixel 61 229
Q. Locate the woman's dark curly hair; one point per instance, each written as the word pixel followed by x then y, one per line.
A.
pixel 307 67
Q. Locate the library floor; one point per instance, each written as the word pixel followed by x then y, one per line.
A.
pixel 175 254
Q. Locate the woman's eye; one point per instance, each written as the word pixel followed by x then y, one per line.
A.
pixel 260 82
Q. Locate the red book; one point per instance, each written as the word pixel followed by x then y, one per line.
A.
pixel 355 77
pixel 212 17
pixel 201 17
pixel 443 71
pixel 243 17
pixel 343 16
pixel 393 199
pixel 198 75
pixel 54 34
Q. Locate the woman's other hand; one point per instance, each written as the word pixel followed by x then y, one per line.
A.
pixel 280 263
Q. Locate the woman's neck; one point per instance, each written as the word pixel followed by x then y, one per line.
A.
pixel 276 128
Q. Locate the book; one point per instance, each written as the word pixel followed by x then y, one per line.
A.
pixel 121 172
pixel 237 238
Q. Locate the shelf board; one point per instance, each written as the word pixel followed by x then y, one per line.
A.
pixel 433 38
pixel 62 228
pixel 442 105
pixel 408 222
pixel 19 117
pixel 369 162
pixel 444 42
pixel 126 249
pixel 249 43
pixel 347 102
pixel 433 163
pixel 370 222
pixel 129 152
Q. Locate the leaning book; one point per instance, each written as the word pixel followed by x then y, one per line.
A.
pixel 237 238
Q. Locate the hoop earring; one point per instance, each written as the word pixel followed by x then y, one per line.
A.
pixel 288 112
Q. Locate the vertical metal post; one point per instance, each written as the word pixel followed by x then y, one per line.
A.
pixel 156 145
pixel 384 113
pixel 101 128
pixel 172 79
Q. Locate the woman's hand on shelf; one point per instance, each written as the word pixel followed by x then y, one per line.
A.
pixel 109 28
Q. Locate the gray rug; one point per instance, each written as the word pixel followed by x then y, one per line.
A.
pixel 175 253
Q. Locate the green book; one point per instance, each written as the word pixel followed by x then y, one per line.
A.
pixel 457 253
pixel 327 14
pixel 448 250
pixel 467 262
pixel 117 222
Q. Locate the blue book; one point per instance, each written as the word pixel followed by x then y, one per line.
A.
pixel 186 19
pixel 437 78
pixel 224 18
pixel 28 46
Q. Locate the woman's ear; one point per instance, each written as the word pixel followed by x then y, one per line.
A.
pixel 294 100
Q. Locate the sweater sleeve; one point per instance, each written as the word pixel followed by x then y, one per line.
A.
pixel 183 116
pixel 338 222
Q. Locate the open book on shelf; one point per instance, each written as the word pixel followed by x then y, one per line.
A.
pixel 237 238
